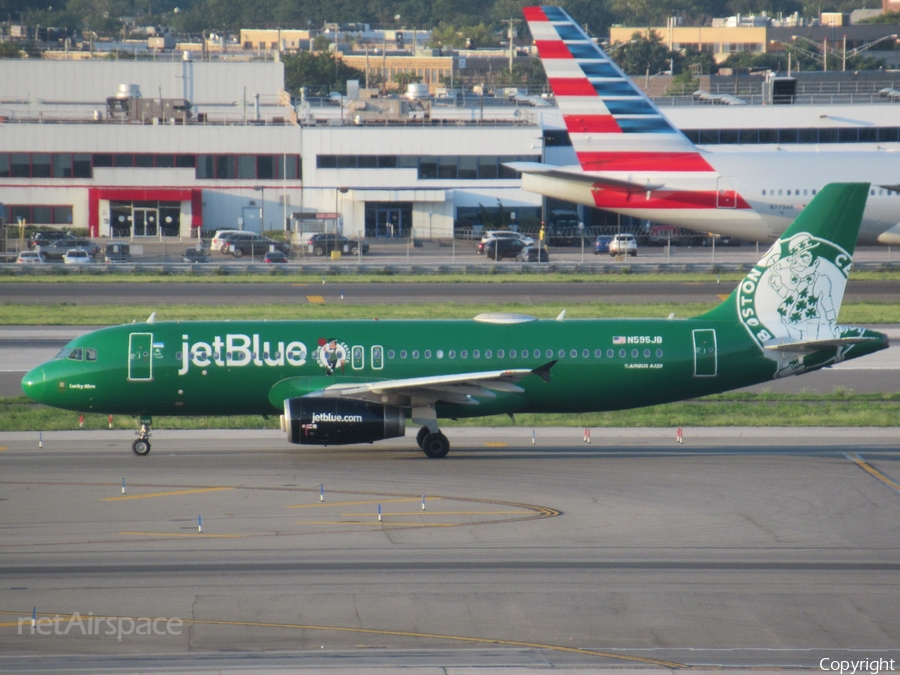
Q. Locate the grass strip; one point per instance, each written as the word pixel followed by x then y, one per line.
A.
pixel 840 408
pixel 71 314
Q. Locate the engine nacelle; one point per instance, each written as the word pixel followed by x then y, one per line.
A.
pixel 329 421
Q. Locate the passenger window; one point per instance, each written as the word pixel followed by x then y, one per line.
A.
pixel 77 354
pixel 391 354
pixel 574 353
pixel 512 354
pixel 487 353
pixel 415 353
pixel 659 353
pixel 427 353
pixel 452 353
pixel 561 353
pixel 377 357
pixel 357 357
pixel 646 353
pixel 476 354
pixel 598 353
pixel 90 354
pixel 524 353
pixel 622 353
pixel 402 353
pixel 549 353
pixel 500 353
pixel 585 353
pixel 610 353
pixel 464 354
pixel 764 193
pixel 634 353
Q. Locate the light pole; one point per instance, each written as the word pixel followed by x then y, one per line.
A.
pixel 262 207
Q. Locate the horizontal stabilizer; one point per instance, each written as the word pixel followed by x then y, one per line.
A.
pixel 815 345
pixel 579 177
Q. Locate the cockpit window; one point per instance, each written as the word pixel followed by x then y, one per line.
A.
pixel 90 354
pixel 76 355
pixel 64 353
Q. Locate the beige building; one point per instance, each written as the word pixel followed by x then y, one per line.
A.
pixel 385 67
pixel 721 41
pixel 280 39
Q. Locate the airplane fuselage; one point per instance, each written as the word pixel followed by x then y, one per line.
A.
pixel 227 368
pixel 770 187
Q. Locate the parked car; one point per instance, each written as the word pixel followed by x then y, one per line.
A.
pixel 55 250
pixel 195 255
pixel 44 238
pixel 622 244
pixel 498 249
pixel 275 257
pixel 219 236
pixel 601 243
pixel 325 242
pixel 30 258
pixel 77 256
pixel 253 245
pixel 502 234
pixel 533 254
pixel 118 252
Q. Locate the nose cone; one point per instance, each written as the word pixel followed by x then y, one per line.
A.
pixel 34 384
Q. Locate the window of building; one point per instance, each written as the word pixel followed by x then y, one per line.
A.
pixel 246 166
pixel 4 165
pixel 21 165
pixel 123 160
pixel 144 161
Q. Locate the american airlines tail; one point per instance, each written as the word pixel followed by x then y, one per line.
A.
pixel 631 158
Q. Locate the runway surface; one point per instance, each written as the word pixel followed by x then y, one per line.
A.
pixel 743 548
pixel 336 291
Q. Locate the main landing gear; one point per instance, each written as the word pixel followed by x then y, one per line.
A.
pixel 141 446
pixel 434 444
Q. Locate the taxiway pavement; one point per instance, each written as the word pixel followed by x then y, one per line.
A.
pixel 742 548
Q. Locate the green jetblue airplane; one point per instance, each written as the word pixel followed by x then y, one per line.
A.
pixel 339 382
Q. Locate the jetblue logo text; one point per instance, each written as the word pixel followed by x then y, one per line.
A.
pixel 331 417
pixel 238 350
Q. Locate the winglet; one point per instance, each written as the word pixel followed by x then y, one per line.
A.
pixel 151 318
pixel 543 371
pixel 562 316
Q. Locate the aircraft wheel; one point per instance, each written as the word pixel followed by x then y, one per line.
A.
pixel 420 437
pixel 141 447
pixel 436 445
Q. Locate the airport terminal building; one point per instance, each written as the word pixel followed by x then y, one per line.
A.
pixel 156 148
pixel 172 148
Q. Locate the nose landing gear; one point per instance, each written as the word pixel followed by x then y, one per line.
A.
pixel 141 446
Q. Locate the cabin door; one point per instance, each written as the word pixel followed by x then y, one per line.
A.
pixel 726 192
pixel 140 357
pixel 705 358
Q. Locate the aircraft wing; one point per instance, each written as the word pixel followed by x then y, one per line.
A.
pixel 460 388
pixel 536 168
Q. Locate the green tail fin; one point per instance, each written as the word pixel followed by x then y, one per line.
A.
pixel 795 291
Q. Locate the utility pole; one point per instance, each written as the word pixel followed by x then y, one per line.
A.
pixel 511 32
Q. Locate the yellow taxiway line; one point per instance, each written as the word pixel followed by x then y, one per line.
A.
pixel 370 501
pixel 315 299
pixel 862 464
pixel 165 494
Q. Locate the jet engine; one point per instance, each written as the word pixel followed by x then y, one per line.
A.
pixel 330 421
